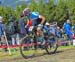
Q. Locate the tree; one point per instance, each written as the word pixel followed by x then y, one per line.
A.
pixel 53 11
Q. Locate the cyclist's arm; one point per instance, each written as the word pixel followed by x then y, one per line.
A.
pixel 43 19
pixel 27 22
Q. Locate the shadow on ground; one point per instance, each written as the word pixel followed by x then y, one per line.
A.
pixel 51 53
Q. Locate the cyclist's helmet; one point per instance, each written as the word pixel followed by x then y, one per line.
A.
pixel 26 12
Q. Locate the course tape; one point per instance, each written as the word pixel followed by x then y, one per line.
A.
pixel 14 46
pixel 25 45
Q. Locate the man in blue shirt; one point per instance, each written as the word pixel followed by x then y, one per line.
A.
pixel 68 30
pixel 2 30
pixel 2 27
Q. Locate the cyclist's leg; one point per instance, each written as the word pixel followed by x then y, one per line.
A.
pixel 35 38
pixel 35 42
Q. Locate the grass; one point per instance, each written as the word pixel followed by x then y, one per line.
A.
pixel 65 47
pixel 16 54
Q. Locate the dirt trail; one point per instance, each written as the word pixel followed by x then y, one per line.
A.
pixel 61 56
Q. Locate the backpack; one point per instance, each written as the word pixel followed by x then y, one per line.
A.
pixel 16 27
pixel 11 28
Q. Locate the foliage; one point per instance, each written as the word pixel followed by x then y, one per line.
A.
pixel 53 11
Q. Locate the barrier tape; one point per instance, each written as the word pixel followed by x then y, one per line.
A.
pixel 14 46
pixel 25 45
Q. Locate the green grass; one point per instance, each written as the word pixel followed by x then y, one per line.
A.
pixel 15 54
pixel 65 47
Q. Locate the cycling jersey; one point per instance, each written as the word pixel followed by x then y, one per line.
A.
pixel 29 23
pixel 35 18
pixel 34 15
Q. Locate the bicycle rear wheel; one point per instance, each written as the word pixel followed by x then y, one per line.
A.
pixel 51 47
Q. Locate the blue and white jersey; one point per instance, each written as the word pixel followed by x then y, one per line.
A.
pixel 34 15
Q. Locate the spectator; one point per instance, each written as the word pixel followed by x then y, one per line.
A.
pixel 22 26
pixel 68 30
pixel 45 28
pixel 74 30
pixel 2 30
pixel 13 31
pixel 17 32
pixel 52 29
pixel 58 32
pixel 52 32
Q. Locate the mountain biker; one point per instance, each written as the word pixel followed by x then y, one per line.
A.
pixel 34 19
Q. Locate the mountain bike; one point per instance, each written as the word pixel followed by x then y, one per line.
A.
pixel 30 47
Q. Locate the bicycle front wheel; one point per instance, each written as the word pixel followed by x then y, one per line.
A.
pixel 27 47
